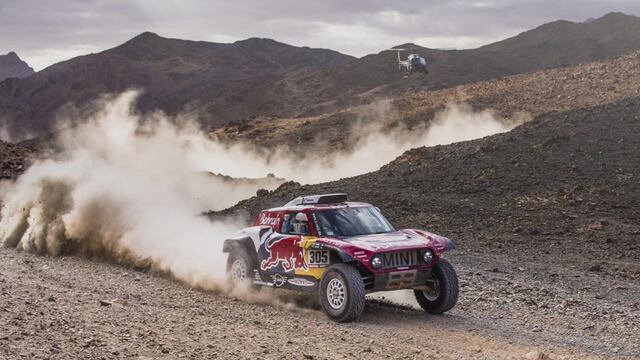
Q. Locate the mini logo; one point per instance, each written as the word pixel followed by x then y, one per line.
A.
pixel 278 280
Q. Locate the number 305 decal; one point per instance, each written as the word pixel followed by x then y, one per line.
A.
pixel 318 258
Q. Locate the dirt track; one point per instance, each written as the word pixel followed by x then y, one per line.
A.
pixel 51 308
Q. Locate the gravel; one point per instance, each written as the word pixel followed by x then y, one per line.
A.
pixel 102 310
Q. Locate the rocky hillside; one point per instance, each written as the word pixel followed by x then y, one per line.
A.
pixel 11 66
pixel 537 93
pixel 14 159
pixel 220 83
pixel 555 44
pixel 563 42
pixel 565 179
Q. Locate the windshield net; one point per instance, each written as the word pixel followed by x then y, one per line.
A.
pixel 351 221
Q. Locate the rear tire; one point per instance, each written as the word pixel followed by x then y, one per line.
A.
pixel 342 293
pixel 444 295
pixel 240 269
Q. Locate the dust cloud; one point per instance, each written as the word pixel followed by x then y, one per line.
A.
pixel 458 122
pixel 373 146
pixel 131 188
pixel 126 192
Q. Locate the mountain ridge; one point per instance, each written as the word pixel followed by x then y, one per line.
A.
pixel 11 66
pixel 219 83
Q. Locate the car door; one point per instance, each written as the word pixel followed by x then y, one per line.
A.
pixel 281 252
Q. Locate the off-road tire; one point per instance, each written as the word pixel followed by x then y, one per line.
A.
pixel 448 297
pixel 241 255
pixel 354 289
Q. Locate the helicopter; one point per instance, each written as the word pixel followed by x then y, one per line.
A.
pixel 413 63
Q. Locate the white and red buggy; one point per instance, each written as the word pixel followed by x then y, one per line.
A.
pixel 342 250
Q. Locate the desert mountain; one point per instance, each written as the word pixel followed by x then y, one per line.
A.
pixel 563 42
pixel 220 83
pixel 11 66
pixel 555 44
pixel 217 81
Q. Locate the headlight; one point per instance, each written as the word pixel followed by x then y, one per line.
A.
pixel 428 256
pixel 376 262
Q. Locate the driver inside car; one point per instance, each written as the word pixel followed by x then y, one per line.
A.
pixel 300 224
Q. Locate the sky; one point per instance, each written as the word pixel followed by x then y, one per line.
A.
pixel 43 32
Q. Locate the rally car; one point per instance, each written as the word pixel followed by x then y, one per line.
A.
pixel 342 250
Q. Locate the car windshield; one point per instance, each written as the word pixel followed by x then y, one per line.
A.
pixel 351 221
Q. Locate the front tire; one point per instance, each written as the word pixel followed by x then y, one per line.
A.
pixel 342 293
pixel 240 270
pixel 442 293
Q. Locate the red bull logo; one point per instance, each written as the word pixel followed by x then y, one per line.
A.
pixel 284 252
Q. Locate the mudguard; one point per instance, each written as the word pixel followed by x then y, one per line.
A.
pixel 255 235
pixel 448 244
pixel 231 245
pixel 247 240
pixel 344 256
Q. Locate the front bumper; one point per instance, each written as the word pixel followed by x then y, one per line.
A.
pixel 396 280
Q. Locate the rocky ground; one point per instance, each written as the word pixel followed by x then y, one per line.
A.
pixel 56 307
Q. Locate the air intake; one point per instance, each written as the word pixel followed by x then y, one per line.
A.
pixel 318 199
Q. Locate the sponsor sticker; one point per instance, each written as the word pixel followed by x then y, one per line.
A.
pixel 278 280
pixel 265 219
pixel 300 282
pixel 332 242
pixel 282 252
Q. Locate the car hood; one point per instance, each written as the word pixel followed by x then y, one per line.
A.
pixel 404 239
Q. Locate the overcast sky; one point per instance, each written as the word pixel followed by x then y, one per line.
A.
pixel 44 32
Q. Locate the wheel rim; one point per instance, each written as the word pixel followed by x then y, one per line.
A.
pixel 336 293
pixel 238 271
pixel 432 290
